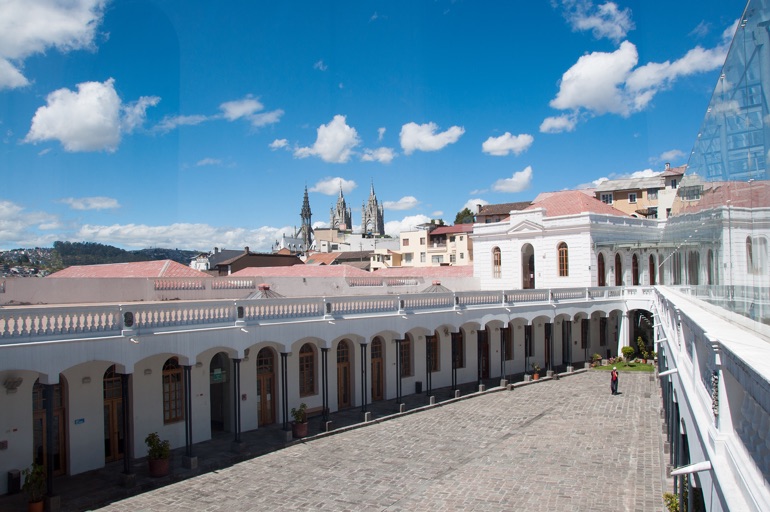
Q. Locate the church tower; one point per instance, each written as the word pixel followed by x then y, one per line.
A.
pixel 340 215
pixel 306 231
pixel 372 219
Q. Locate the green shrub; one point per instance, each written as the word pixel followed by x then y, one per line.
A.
pixel 628 353
pixel 672 501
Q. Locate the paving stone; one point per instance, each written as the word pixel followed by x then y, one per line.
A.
pixel 558 445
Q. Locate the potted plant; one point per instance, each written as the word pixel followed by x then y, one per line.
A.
pixel 299 425
pixel 595 359
pixel 628 353
pixel 535 371
pixel 34 486
pixel 158 454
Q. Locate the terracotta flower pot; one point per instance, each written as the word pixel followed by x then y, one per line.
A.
pixel 159 467
pixel 298 430
pixel 35 506
pixel 535 376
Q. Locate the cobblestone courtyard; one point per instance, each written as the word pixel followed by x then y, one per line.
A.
pixel 565 444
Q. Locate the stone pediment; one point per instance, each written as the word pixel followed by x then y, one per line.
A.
pixel 525 227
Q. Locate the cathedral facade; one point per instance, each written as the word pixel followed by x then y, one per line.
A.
pixel 372 216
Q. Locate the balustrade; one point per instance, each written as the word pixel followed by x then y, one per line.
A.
pixel 20 324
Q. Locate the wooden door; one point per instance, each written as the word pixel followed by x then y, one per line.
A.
pixel 343 375
pixel 378 392
pixel 114 438
pixel 266 386
pixel 483 342
pixel 39 431
pixel 218 379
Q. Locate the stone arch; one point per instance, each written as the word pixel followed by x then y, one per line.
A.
pixel 527 266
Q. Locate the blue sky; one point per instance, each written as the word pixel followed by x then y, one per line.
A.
pixel 195 124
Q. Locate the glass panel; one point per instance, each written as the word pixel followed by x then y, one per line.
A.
pixel 724 194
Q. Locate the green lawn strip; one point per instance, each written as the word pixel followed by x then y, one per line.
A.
pixel 628 367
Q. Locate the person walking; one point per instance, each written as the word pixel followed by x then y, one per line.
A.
pixel 614 380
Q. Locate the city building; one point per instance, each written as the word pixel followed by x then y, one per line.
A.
pixel 643 197
pixel 431 245
pixel 553 283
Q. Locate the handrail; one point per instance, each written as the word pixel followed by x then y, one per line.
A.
pixel 20 324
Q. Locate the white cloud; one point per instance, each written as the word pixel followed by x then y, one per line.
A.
pixel 237 109
pixel 266 118
pixel 604 21
pixel 507 143
pixel 410 223
pixel 331 186
pixel 516 183
pixel 610 83
pixel 382 155
pixel 334 144
pixel 91 203
pixel 423 137
pixel 172 122
pixel 595 82
pixel 380 133
pixel 251 109
pixel 701 30
pixel 644 173
pixel 28 28
pixel 10 76
pixel 405 203
pixel 208 161
pixel 86 120
pixel 135 113
pixel 673 154
pixel 278 144
pixel 558 124
pixel 320 66
pixel 472 204
pixel 22 228
pixel 198 236
pixel 593 184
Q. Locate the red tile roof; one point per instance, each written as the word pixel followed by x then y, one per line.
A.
pixel 141 269
pixel 573 202
pixel 457 228
pixel 445 271
pixel 321 258
pixel 674 171
pixel 302 271
pixel 503 208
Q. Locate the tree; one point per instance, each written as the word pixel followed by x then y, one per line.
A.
pixel 464 216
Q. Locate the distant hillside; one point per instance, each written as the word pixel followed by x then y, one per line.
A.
pixel 91 253
pixel 41 260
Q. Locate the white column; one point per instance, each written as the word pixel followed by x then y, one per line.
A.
pixel 623 332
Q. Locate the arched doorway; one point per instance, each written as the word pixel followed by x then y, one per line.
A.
pixel 527 266
pixel 635 270
pixel 39 427
pixel 218 378
pixel 343 374
pixel 653 274
pixel 114 435
pixel 266 387
pixel 693 268
pixel 618 270
pixel 378 370
pixel 482 339
pixel 601 271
